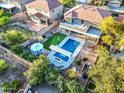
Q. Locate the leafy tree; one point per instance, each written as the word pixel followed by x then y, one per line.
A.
pixel 98 2
pixel 108 73
pixel 107 39
pixel 109 25
pixel 36 73
pixel 68 3
pixel 3 65
pixel 112 30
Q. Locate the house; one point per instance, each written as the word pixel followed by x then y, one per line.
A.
pixel 116 6
pixel 44 11
pixel 116 3
pixel 84 1
pixel 84 20
pixel 18 5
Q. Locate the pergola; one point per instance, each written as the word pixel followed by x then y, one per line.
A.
pixel 42 18
pixel 7 6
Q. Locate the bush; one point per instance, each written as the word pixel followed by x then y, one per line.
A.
pixel 4 20
pixel 5 87
pixel 14 67
pixel 15 84
pixel 1 12
pixel 72 73
pixel 14 37
pixel 17 49
pixel 78 62
pixel 20 51
pixel 3 65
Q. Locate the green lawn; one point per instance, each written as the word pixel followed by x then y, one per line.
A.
pixel 54 40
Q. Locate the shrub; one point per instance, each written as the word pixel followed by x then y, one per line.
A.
pixel 15 84
pixel 5 87
pixel 3 65
pixel 14 67
pixel 1 12
pixel 14 37
pixel 72 73
pixel 20 51
pixel 78 62
pixel 17 49
pixel 4 20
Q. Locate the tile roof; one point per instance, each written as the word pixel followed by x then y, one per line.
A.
pixel 88 13
pixel 44 4
pixel 40 16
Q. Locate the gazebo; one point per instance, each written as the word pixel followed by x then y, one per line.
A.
pixel 37 49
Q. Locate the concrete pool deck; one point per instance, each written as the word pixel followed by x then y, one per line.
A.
pixel 63 64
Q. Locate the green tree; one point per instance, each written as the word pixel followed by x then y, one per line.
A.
pixel 68 3
pixel 112 30
pixel 98 2
pixel 36 73
pixel 108 73
pixel 3 65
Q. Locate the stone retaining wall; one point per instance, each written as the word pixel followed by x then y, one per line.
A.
pixel 5 53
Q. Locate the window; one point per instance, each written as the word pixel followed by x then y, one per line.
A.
pixel 53 10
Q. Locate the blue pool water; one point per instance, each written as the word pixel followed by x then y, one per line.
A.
pixel 69 46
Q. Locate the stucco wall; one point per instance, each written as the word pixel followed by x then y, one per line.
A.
pixel 57 12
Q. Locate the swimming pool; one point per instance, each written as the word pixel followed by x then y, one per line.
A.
pixel 63 60
pixel 70 46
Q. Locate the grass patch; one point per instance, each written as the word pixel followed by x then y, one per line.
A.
pixel 54 40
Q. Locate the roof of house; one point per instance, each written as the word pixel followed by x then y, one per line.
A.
pixel 88 13
pixel 44 4
pixel 40 16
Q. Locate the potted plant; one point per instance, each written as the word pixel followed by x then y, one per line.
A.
pixel 91 86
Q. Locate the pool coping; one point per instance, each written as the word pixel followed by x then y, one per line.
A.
pixel 71 58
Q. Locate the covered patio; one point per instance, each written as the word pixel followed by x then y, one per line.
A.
pixel 41 19
pixel 7 7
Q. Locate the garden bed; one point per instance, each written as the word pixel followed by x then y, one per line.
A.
pixel 15 35
pixel 54 40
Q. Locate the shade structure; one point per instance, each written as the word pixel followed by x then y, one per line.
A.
pixel 37 49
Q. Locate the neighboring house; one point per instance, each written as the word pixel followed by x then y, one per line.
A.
pixel 84 21
pixel 44 11
pixel 116 6
pixel 18 5
pixel 83 1
pixel 116 3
